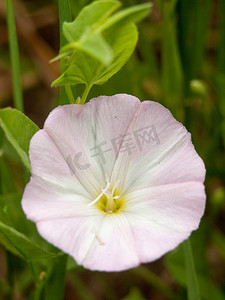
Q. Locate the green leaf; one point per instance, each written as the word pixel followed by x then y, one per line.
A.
pixel 85 33
pixel 100 43
pixel 89 71
pixel 129 15
pixel 123 44
pixel 10 204
pixel 18 234
pixel 91 15
pixel 93 44
pixel 79 71
pixel 19 130
pixel 19 244
pixel 82 32
pixel 6 184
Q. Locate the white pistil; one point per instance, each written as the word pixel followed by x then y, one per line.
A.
pixel 109 194
pixel 115 186
pixel 96 200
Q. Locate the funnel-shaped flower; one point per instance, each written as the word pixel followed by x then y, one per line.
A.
pixel 115 182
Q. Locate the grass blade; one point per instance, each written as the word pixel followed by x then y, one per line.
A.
pixel 193 22
pixel 193 289
pixel 64 15
pixel 171 63
pixel 14 56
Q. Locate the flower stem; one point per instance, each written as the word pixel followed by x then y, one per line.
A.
pixel 69 94
pixel 85 94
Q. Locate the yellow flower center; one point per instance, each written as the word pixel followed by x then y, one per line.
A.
pixel 109 200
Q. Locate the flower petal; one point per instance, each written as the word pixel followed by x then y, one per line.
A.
pixel 72 235
pixel 118 251
pixel 164 216
pixel 85 133
pixel 97 243
pixel 163 151
pixel 49 164
pixel 43 200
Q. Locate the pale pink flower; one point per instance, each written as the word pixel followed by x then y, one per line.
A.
pixel 115 182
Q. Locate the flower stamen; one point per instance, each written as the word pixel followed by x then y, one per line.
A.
pixel 97 236
pixel 110 206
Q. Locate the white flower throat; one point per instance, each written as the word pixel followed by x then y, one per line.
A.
pixel 107 201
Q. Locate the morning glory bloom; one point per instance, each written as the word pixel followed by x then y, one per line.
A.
pixel 115 182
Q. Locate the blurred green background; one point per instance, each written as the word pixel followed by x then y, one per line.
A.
pixel 180 62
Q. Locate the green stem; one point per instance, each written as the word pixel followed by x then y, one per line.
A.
pixel 54 289
pixel 14 57
pixel 88 87
pixel 154 280
pixel 69 93
pixel 51 285
pixel 64 15
pixel 193 290
pixel 85 94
